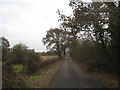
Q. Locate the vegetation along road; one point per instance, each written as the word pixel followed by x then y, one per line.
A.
pixel 71 76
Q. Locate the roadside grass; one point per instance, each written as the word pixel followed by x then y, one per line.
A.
pixel 19 80
pixel 108 80
pixel 40 79
pixel 43 78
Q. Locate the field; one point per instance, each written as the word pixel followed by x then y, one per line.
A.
pixel 48 57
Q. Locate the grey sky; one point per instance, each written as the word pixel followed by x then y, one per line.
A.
pixel 27 21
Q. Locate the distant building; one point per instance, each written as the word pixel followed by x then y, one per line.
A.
pixel 31 50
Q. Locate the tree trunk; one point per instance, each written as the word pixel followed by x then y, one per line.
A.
pixel 58 50
pixel 64 51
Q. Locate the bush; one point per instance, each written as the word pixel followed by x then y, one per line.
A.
pixel 10 78
pixel 94 57
pixel 19 52
pixel 7 76
pixel 33 62
pixel 48 61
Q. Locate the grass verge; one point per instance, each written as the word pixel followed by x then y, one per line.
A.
pixel 108 80
pixel 42 79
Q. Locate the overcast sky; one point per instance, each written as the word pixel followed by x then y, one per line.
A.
pixel 27 21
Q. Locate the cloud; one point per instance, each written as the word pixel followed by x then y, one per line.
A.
pixel 28 20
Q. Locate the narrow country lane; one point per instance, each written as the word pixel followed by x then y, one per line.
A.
pixel 71 76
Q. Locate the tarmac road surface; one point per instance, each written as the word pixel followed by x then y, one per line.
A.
pixel 71 76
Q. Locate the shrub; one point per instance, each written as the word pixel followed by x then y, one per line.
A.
pixel 33 62
pixel 94 57
pixel 19 52
pixel 10 78
pixel 48 61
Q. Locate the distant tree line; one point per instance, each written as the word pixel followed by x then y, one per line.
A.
pixel 48 53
